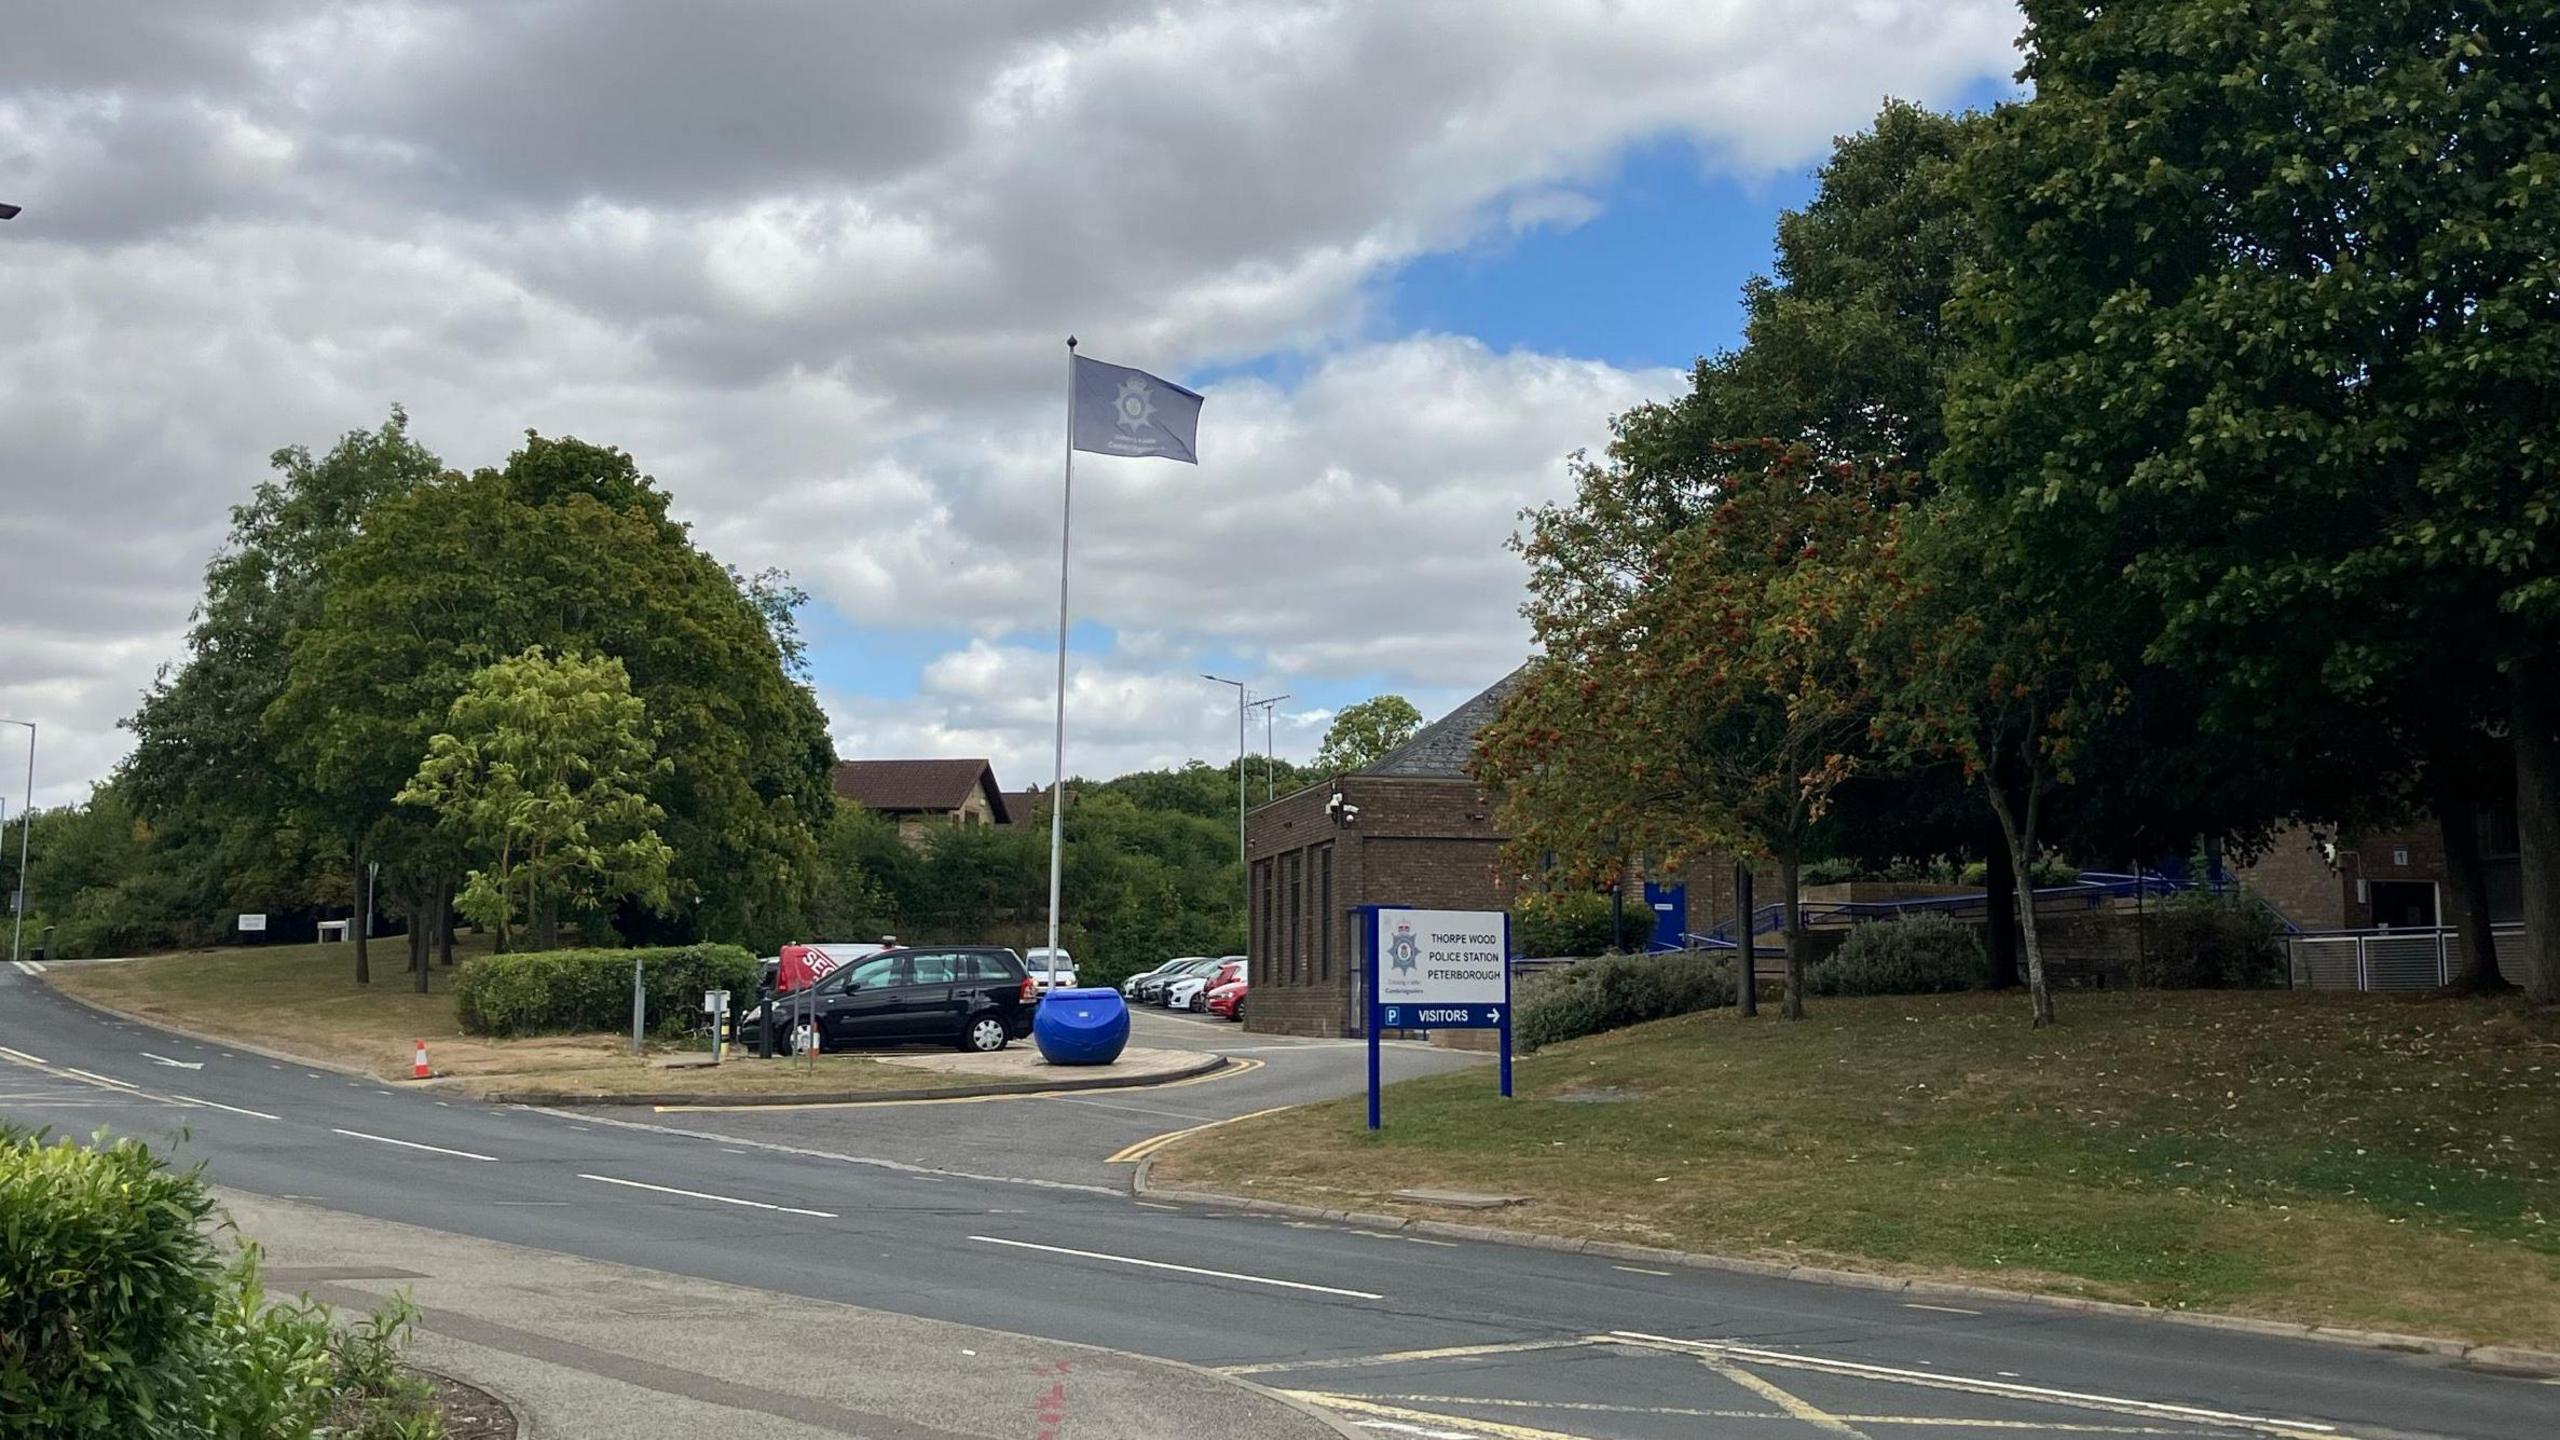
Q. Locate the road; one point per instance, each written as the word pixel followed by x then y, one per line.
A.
pixel 1403 1335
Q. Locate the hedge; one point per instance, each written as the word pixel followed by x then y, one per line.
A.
pixel 541 992
pixel 120 1321
pixel 1615 991
pixel 1920 955
pixel 1568 923
pixel 2200 942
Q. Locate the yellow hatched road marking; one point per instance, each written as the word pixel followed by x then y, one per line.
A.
pixel 1686 1413
pixel 1353 1404
pixel 1787 1400
pixel 1231 1068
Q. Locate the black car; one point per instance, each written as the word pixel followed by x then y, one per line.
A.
pixel 979 997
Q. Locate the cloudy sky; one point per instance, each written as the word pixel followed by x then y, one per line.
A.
pixel 813 264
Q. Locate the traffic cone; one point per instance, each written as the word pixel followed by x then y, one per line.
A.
pixel 418 1067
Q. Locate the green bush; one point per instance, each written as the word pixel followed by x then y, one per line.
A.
pixel 2201 942
pixel 1614 991
pixel 2048 871
pixel 106 1285
pixel 1572 923
pixel 119 1319
pixel 540 992
pixel 1921 955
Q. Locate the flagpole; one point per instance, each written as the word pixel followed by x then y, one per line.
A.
pixel 1058 763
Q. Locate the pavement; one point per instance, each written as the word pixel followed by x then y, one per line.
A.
pixel 589 1351
pixel 1009 1215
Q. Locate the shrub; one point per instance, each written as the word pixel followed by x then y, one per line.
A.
pixel 2048 871
pixel 106 1284
pixel 1922 955
pixel 538 992
pixel 1616 991
pixel 1574 923
pixel 2200 942
pixel 118 1319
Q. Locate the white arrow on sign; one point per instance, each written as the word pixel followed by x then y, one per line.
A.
pixel 172 1064
pixel 1493 1013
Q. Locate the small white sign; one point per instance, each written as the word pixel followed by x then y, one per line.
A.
pixel 1442 957
pixel 252 924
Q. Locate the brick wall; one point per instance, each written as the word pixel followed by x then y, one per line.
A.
pixel 2296 879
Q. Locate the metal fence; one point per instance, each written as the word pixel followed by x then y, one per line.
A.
pixel 2392 960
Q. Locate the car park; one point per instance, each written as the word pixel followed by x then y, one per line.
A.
pixel 1189 992
pixel 1151 990
pixel 1130 987
pixel 1228 1000
pixel 979 997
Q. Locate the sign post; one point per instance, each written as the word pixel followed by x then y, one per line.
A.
pixel 1436 970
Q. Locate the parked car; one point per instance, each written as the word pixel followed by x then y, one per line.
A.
pixel 1129 987
pixel 1058 974
pixel 1228 999
pixel 979 997
pixel 1151 991
pixel 1187 992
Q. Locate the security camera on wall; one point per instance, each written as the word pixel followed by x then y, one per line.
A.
pixel 1342 810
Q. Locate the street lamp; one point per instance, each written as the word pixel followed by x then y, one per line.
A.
pixel 1270 766
pixel 1240 709
pixel 8 212
pixel 26 817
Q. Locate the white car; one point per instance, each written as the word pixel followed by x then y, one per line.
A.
pixel 1187 993
pixel 1049 974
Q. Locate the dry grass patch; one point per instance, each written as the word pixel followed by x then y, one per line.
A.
pixel 2354 1160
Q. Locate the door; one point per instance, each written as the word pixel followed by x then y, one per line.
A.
pixel 928 995
pixel 856 1002
pixel 1670 907
pixel 2404 904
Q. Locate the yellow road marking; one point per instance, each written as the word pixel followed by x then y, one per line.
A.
pixel 1131 1154
pixel 1410 1357
pixel 1683 1412
pixel 1353 1404
pixel 1787 1400
pixel 1232 1067
pixel 2004 1389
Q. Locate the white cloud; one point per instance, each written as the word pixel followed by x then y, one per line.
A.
pixel 812 263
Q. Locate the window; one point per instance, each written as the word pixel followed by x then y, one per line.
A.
pixel 878 970
pixel 1297 916
pixel 986 965
pixel 1324 912
pixel 1259 935
pixel 935 969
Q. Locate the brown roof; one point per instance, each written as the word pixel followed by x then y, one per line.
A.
pixel 912 786
pixel 1030 807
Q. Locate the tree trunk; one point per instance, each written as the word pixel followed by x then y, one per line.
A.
pixel 2453 795
pixel 444 922
pixel 2538 826
pixel 1746 977
pixel 2021 840
pixel 363 915
pixel 1788 886
pixel 1999 902
pixel 421 895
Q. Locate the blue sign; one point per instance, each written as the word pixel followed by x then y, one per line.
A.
pixel 1443 970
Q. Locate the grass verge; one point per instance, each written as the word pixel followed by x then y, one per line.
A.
pixel 304 1000
pixel 2349 1160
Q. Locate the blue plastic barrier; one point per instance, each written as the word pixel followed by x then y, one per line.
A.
pixel 1081 1027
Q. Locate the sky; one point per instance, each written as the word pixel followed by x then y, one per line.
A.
pixel 813 264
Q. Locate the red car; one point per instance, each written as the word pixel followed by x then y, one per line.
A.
pixel 1228 999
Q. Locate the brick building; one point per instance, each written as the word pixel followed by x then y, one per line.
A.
pixel 2386 879
pixel 1411 829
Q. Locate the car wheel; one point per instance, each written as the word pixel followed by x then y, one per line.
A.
pixel 985 1035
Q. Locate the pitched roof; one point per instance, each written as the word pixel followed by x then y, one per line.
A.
pixel 917 785
pixel 1025 807
pixel 1441 749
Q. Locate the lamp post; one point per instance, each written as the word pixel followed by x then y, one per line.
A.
pixel 26 821
pixel 1242 704
pixel 8 212
pixel 1270 766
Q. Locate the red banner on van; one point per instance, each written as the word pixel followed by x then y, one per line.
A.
pixel 806 965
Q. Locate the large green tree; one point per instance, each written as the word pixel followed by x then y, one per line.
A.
pixel 2265 331
pixel 570 547
pixel 539 776
pixel 205 769
pixel 1362 732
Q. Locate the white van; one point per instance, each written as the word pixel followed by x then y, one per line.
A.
pixel 1050 969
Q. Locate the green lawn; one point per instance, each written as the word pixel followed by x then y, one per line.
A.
pixel 2383 1163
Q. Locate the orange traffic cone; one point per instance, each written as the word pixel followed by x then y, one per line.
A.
pixel 418 1067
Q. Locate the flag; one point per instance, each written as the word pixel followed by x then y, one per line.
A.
pixel 1120 411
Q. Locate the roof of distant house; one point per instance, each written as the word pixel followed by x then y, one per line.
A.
pixel 1441 749
pixel 915 786
pixel 1026 806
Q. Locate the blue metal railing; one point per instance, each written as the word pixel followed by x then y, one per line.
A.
pixel 2092 890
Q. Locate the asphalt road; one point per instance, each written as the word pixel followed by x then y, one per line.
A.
pixel 1404 1335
